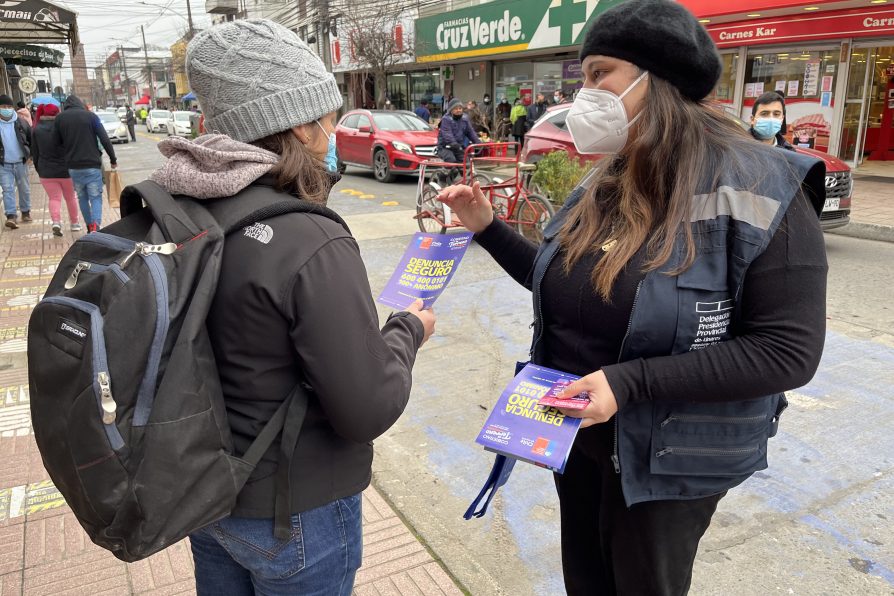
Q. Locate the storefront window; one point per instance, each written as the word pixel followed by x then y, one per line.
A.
pixel 399 91
pixel 807 81
pixel 514 80
pixel 547 78
pixel 877 101
pixel 725 91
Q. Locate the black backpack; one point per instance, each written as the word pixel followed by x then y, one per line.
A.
pixel 126 401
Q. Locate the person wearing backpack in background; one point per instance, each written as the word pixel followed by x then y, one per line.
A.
pixel 292 305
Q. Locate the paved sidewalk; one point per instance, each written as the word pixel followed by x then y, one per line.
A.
pixel 43 550
pixel 872 209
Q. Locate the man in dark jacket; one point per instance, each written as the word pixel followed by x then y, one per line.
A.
pixel 15 151
pixel 131 120
pixel 455 133
pixel 422 110
pixel 78 131
pixel 536 110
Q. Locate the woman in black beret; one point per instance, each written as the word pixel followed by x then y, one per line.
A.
pixel 688 271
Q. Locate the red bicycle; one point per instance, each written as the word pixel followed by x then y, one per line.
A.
pixel 495 167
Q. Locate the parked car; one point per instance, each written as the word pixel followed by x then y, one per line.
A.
pixel 116 129
pixel 387 141
pixel 121 113
pixel 550 133
pixel 158 120
pixel 180 124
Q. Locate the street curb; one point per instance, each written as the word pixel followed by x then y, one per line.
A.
pixel 866 231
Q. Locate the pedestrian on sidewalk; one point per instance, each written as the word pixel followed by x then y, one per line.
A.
pixel 293 305
pixel 80 133
pixel 768 120
pixel 519 118
pixel 15 151
pixel 49 161
pixel 535 111
pixel 131 120
pixel 422 111
pixel 24 113
pixel 689 272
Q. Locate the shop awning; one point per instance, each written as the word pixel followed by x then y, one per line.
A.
pixel 36 56
pixel 37 21
pixel 143 101
pixel 188 97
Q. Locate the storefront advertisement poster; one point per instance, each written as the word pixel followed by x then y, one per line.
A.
pixel 571 69
pixel 758 89
pixel 749 89
pixel 811 78
pixel 793 87
pixel 827 84
pixel 826 100
pixel 830 68
pixel 780 86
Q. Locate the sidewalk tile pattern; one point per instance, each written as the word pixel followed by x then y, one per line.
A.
pixel 43 549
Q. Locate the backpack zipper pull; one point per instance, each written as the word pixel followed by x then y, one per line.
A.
pixel 167 248
pixel 137 248
pixel 72 280
pixel 108 403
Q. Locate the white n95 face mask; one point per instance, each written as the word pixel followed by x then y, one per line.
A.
pixel 598 121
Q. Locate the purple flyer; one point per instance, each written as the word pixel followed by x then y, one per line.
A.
pixel 425 269
pixel 521 428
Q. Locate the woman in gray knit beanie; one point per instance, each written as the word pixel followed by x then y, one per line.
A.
pixel 292 307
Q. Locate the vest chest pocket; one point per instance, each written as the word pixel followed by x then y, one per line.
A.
pixel 705 304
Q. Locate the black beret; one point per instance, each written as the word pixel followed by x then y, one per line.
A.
pixel 659 36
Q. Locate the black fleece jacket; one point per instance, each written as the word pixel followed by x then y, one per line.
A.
pixel 299 306
pixel 48 154
pixel 77 131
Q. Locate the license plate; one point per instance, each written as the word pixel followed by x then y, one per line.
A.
pixel 832 204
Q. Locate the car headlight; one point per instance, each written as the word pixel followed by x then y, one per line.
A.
pixel 402 147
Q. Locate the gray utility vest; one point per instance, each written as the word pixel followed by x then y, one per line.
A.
pixel 687 450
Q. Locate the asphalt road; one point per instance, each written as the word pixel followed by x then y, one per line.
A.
pixel 820 520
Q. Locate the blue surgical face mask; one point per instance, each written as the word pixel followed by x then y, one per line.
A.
pixel 331 159
pixel 7 113
pixel 767 128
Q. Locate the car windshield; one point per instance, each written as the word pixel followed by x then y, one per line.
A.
pixel 108 117
pixel 163 114
pixel 182 116
pixel 400 122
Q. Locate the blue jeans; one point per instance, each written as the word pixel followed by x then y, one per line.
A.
pixel 88 185
pixel 240 556
pixel 12 176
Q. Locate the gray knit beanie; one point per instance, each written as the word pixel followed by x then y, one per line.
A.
pixel 256 78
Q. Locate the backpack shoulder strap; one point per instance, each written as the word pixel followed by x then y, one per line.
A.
pixel 257 203
pixel 172 219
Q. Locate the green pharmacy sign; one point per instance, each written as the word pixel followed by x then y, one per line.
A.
pixel 505 26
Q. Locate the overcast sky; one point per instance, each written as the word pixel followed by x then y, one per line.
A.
pixel 105 24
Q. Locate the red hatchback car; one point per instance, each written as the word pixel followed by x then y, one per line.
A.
pixel 549 134
pixel 387 141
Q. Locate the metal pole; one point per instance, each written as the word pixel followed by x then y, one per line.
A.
pixel 323 15
pixel 126 78
pixel 148 70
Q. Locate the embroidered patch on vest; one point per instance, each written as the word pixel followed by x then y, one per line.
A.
pixel 260 232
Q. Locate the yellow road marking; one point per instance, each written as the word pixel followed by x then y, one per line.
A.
pixel 367 196
pixel 351 191
pixel 390 203
pixel 29 499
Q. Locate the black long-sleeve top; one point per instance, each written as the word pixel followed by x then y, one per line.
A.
pixel 780 333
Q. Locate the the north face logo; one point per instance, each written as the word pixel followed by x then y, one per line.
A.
pixel 260 232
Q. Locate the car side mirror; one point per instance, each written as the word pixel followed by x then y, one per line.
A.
pixel 364 129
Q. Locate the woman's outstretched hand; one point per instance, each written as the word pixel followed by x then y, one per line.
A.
pixel 603 404
pixel 470 204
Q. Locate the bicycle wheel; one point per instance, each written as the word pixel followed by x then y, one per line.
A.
pixel 532 215
pixel 428 206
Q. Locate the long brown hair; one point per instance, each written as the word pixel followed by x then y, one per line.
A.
pixel 297 172
pixel 644 194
